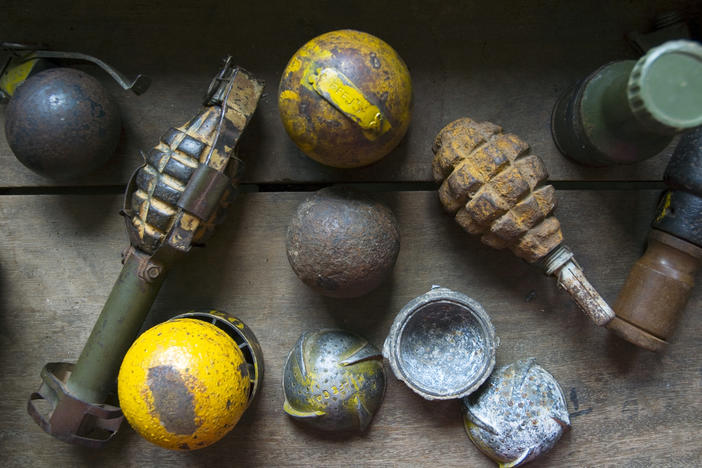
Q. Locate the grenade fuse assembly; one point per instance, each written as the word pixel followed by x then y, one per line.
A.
pixel 496 189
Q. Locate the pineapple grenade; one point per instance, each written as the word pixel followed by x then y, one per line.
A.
pixel 496 189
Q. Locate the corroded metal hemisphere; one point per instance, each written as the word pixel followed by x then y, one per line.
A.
pixel 345 98
pixel 517 415
pixel 442 345
pixel 342 243
pixel 62 123
pixel 333 380
pixel 244 338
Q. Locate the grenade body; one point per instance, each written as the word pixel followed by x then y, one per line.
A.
pixel 495 189
pixel 62 123
pixel 155 201
pixel 184 384
pixel 342 243
pixel 345 98
pixel 519 414
pixel 333 380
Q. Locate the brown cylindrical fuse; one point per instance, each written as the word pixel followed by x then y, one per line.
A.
pixel 656 290
pixel 661 281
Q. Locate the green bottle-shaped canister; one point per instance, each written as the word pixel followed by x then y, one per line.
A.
pixel 627 111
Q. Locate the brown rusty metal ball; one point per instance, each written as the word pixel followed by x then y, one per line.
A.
pixel 62 123
pixel 342 243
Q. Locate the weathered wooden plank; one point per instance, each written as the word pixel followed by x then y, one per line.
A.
pixel 506 62
pixel 60 255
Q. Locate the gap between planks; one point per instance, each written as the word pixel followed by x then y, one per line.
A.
pixel 311 187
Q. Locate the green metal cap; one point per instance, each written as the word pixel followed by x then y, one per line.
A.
pixel 665 87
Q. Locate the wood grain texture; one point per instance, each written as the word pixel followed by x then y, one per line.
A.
pixel 506 62
pixel 60 255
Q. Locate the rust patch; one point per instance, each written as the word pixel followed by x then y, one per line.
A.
pixel 243 370
pixel 173 402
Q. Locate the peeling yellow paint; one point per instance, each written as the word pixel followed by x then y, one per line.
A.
pixel 666 207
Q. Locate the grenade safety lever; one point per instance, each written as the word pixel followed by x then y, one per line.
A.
pixel 172 202
pixel 27 59
pixel 496 189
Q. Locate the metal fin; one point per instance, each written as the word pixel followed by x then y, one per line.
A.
pixel 524 367
pixel 474 420
pixel 364 353
pixel 564 424
pixel 303 365
pixel 521 459
pixel 364 416
pixel 301 414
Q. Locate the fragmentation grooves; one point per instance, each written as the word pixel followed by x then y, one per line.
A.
pixel 162 180
pixel 495 188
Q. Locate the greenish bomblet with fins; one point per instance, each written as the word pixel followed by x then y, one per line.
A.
pixel 628 111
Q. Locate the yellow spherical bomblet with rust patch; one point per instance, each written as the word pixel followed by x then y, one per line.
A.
pixel 345 98
pixel 185 383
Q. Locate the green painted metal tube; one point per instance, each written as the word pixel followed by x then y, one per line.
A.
pixel 94 375
pixel 628 111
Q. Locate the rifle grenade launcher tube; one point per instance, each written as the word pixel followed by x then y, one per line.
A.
pixel 173 201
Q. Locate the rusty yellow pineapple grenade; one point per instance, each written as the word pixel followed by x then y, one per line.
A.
pixel 496 189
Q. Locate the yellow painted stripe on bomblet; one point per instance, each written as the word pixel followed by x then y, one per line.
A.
pixel 341 93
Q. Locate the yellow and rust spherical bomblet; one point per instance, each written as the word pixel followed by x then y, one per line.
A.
pixel 345 98
pixel 185 383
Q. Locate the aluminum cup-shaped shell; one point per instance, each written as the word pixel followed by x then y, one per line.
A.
pixel 442 345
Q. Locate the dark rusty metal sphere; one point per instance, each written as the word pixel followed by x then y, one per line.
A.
pixel 62 123
pixel 342 243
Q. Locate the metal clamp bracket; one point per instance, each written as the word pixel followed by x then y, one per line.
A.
pixel 68 418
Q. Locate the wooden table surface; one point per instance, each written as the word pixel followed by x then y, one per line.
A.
pixel 501 61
